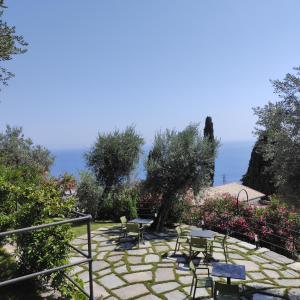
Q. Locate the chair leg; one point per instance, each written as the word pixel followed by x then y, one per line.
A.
pixel 225 254
pixel 192 286
pixel 195 287
pixel 176 246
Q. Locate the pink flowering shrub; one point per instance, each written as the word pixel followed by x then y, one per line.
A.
pixel 274 224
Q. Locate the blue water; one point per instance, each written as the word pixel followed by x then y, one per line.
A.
pixel 231 163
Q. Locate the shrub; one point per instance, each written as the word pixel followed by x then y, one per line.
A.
pixel 89 194
pixel 34 203
pixel 274 224
pixel 120 202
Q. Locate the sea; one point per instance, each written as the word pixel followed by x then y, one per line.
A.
pixel 231 163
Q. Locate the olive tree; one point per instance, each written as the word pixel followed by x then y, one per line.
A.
pixel 177 162
pixel 114 156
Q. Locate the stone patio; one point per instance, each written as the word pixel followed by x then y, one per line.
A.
pixel 122 271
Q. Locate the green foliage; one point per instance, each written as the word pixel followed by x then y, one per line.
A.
pixel 19 152
pixel 89 194
pixel 125 203
pixel 177 162
pixel 120 202
pixel 33 203
pixel 114 156
pixel 274 224
pixel 280 123
pixel 259 176
pixel 208 133
pixel 10 44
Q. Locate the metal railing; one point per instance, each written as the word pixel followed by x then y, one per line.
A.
pixel 87 257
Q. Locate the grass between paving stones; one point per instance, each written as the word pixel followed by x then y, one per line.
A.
pixel 79 230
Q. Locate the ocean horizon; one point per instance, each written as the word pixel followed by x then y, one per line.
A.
pixel 231 163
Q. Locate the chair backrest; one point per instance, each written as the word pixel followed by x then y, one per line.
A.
pixel 192 267
pixel 198 242
pixel 224 240
pixel 222 289
pixel 132 227
pixel 123 220
pixel 179 230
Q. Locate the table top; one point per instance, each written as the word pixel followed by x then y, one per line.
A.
pixel 141 221
pixel 229 271
pixel 198 232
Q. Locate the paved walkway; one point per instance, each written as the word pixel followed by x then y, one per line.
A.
pixel 122 271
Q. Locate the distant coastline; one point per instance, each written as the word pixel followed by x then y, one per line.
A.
pixel 231 163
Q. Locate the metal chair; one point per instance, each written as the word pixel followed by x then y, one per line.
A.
pixel 134 230
pixel 220 240
pixel 197 245
pixel 200 282
pixel 226 291
pixel 181 238
pixel 123 220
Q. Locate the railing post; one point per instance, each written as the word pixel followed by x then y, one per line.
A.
pixel 90 257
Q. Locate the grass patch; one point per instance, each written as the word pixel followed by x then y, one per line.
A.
pixel 79 230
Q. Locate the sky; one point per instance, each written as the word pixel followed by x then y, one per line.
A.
pixel 94 66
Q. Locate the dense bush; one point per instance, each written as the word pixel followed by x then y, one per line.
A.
pixel 89 194
pixel 274 224
pixel 26 202
pixel 121 201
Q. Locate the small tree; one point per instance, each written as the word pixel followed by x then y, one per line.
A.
pixel 209 134
pixel 89 194
pixel 177 162
pixel 114 156
pixel 17 151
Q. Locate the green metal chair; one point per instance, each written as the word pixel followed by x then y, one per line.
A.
pixel 200 282
pixel 123 220
pixel 215 244
pixel 198 245
pixel 134 230
pixel 182 238
pixel 226 291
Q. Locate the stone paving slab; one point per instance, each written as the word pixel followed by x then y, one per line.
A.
pixel 164 287
pixel 138 277
pixel 164 274
pixel 111 281
pixel 131 291
pixel 175 295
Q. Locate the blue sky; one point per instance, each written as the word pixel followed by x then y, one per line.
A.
pixel 99 65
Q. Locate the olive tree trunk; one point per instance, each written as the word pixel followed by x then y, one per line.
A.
pixel 163 213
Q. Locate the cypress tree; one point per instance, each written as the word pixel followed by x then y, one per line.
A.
pixel 259 176
pixel 209 134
